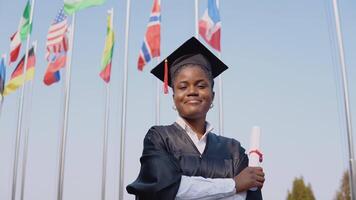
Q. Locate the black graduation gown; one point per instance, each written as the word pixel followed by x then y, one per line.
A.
pixel 169 153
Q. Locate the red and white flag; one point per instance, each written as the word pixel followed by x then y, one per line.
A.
pixel 57 35
pixel 151 43
pixel 210 25
pixel 15 46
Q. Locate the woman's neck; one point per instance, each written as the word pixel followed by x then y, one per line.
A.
pixel 197 125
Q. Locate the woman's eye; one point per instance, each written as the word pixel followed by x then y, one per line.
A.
pixel 201 86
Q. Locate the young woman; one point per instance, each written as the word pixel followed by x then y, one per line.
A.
pixel 185 160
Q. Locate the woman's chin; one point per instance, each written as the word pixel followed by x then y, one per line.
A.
pixel 194 115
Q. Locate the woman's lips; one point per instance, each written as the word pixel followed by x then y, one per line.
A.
pixel 193 101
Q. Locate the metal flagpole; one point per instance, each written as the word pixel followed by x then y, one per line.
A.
pixel 20 112
pixel 105 145
pixel 346 101
pixel 124 99
pixel 158 83
pixel 196 19
pixel 27 129
pixel 65 117
pixel 221 108
pixel 105 148
pixel 106 125
pixel 158 94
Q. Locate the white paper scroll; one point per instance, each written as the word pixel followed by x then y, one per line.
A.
pixel 254 154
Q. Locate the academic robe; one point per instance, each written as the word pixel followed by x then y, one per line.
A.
pixel 169 153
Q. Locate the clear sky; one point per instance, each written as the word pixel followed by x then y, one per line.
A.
pixel 283 76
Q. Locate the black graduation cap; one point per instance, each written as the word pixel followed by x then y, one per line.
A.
pixel 190 52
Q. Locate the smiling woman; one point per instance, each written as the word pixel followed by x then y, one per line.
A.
pixel 186 160
pixel 193 94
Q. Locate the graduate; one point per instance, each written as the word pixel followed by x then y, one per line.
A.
pixel 186 160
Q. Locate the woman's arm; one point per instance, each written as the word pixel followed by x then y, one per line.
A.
pixel 247 177
pixel 200 188
pixel 160 174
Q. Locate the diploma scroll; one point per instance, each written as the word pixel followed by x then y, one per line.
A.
pixel 254 154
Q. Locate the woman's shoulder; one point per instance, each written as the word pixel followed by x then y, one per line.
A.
pixel 162 136
pixel 162 131
pixel 229 142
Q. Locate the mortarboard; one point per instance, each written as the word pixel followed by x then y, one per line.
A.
pixel 190 52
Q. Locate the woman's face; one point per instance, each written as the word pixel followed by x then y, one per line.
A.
pixel 193 93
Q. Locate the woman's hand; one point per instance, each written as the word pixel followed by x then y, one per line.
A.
pixel 248 178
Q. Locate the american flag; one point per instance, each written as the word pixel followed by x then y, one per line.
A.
pixel 57 35
pixel 210 25
pixel 57 46
pixel 151 44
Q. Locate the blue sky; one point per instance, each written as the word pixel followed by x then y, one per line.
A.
pixel 283 76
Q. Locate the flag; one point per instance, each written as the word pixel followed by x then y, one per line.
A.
pixel 2 75
pixel 57 34
pixel 57 47
pixel 57 62
pixel 17 79
pixel 151 43
pixel 72 6
pixel 210 25
pixel 21 34
pixel 108 50
pixel 15 46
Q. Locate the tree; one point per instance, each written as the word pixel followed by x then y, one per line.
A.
pixel 344 192
pixel 300 191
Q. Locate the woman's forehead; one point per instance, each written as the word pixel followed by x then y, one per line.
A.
pixel 191 72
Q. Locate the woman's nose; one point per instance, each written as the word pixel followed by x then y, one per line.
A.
pixel 192 91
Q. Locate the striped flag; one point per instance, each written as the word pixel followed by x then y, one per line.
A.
pixel 21 34
pixel 57 35
pixel 2 75
pixel 72 6
pixel 17 79
pixel 57 46
pixel 108 50
pixel 151 43
pixel 15 46
pixel 210 25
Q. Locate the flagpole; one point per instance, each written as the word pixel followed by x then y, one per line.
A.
pixel 105 141
pixel 106 124
pixel 196 19
pixel 20 112
pixel 221 108
pixel 346 101
pixel 158 93
pixel 27 129
pixel 124 99
pixel 66 110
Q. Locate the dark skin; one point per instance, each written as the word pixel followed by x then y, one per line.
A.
pixel 193 94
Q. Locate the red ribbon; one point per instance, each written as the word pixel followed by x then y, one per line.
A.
pixel 256 151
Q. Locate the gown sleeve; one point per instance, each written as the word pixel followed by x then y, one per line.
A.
pixel 160 174
pixel 240 163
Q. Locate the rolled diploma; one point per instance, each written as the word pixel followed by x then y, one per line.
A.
pixel 254 159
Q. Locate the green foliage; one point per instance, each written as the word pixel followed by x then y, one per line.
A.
pixel 344 192
pixel 300 191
